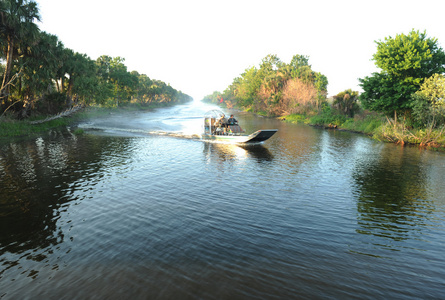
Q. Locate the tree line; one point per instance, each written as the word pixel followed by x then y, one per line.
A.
pixel 276 87
pixel 411 80
pixel 410 86
pixel 40 75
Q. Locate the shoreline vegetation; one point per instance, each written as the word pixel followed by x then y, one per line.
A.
pixel 11 127
pixel 377 127
pixel 41 78
pixel 404 103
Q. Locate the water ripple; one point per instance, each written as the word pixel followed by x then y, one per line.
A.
pixel 310 214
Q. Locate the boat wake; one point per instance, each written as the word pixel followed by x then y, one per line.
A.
pixel 184 121
pixel 131 132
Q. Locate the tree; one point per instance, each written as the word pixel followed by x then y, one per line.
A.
pixel 433 89
pixel 40 66
pixel 346 103
pixel 39 70
pixel 428 104
pixel 278 88
pixel 246 87
pixel 405 61
pixel 114 77
pixel 125 84
pixel 83 82
pixel 143 88
pixel 16 25
pixel 271 63
pixel 300 68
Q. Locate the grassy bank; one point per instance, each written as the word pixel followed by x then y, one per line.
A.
pixel 378 127
pixel 10 127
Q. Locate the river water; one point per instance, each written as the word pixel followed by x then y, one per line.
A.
pixel 139 208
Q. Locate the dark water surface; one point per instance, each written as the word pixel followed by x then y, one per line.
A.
pixel 137 208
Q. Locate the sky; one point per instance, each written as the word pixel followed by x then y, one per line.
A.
pixel 199 47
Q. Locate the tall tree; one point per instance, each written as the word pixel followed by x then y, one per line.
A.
pixel 113 73
pixel 82 82
pixel 41 65
pixel 405 61
pixel 17 19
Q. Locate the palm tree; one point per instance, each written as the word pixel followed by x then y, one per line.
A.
pixel 16 26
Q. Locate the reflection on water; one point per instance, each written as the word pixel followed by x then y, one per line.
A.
pixel 225 151
pixel 39 179
pixel 308 214
pixel 393 200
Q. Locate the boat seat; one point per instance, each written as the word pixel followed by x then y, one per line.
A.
pixel 235 129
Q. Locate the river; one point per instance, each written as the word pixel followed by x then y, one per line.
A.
pixel 139 208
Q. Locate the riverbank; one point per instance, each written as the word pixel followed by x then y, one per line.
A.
pixel 10 127
pixel 374 125
pixel 377 127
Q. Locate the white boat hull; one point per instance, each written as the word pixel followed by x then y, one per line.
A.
pixel 256 137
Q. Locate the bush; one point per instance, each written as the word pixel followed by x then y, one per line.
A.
pixel 367 124
pixel 295 118
pixel 346 103
pixel 327 117
pixel 427 104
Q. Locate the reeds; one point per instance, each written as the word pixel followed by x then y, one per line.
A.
pixel 397 132
pixel 388 130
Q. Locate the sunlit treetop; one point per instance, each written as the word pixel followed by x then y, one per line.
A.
pixel 412 55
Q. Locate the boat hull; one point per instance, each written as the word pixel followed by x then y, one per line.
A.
pixel 256 137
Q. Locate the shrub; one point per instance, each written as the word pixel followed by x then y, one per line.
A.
pixel 346 103
pixel 298 97
pixel 327 117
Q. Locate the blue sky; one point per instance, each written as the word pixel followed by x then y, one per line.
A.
pixel 201 46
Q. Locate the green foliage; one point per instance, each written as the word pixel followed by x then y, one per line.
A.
pixel 410 57
pixel 433 89
pixel 246 88
pixel 398 132
pixel 367 124
pixel 11 127
pixel 405 61
pixel 277 88
pixel 17 32
pixel 428 104
pixel 321 83
pixel 114 77
pixel 295 118
pixel 421 111
pixel 79 131
pixel 327 117
pixel 52 103
pixel 346 103
pixel 215 97
pixel 50 78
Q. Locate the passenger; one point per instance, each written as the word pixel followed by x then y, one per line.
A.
pixel 232 121
pixel 222 121
pixel 233 125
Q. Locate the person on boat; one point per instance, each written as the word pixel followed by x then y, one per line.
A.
pixel 233 125
pixel 220 125
pixel 222 121
pixel 232 120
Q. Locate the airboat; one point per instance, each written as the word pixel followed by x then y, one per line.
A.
pixel 218 128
